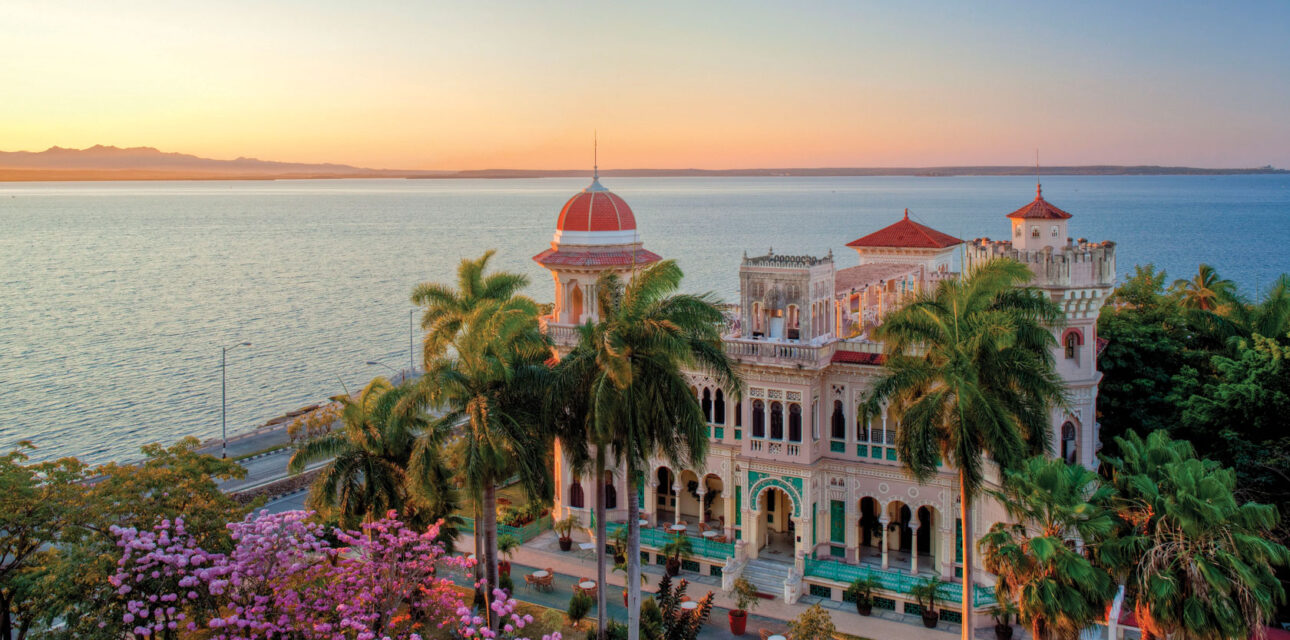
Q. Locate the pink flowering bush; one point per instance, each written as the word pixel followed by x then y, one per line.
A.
pixel 284 580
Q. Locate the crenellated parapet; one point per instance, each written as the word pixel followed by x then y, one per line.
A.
pixel 1077 264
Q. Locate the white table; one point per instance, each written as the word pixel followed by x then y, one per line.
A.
pixel 677 528
pixel 691 605
pixel 643 522
pixel 589 584
pixel 776 637
pixel 539 574
pixel 586 546
pixel 710 534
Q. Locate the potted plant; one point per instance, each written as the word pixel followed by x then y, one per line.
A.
pixel 678 546
pixel 746 599
pixel 1002 614
pixel 506 546
pixel 618 540
pixel 563 528
pixel 861 590
pixel 926 592
pixel 622 568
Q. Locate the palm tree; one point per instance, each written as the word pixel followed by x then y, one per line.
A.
pixel 485 365
pixel 623 389
pixel 1205 291
pixel 370 471
pixel 1242 318
pixel 1197 563
pixel 969 375
pixel 1058 591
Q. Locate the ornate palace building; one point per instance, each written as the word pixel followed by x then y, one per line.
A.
pixel 798 493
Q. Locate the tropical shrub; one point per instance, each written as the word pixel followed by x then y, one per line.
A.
pixel 813 624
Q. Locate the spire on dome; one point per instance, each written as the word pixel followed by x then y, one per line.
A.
pixel 906 213
pixel 595 165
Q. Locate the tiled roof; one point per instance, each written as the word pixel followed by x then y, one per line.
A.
pixel 595 258
pixel 856 357
pixel 1039 209
pixel 596 209
pixel 907 234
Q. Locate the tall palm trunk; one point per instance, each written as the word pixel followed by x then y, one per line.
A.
pixel 601 555
pixel 490 547
pixel 633 558
pixel 479 543
pixel 965 513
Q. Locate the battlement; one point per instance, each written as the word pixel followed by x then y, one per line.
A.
pixel 789 262
pixel 1079 263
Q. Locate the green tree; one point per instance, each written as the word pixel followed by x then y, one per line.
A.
pixel 969 375
pixel 1053 506
pixel 622 391
pixel 1206 291
pixel 37 501
pixel 813 624
pixel 485 365
pixel 1149 342
pixel 171 482
pixel 1197 563
pixel 370 470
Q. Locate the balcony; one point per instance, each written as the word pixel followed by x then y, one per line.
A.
pixel 776 449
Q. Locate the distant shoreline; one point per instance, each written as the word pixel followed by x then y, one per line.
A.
pixel 118 175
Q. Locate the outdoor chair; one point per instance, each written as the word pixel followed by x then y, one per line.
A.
pixel 530 582
pixel 764 633
pixel 703 526
pixel 547 583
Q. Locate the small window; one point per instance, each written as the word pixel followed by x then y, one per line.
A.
pixel 794 422
pixel 575 495
pixel 839 421
pixel 1017 231
pixel 1071 342
pixel 719 408
pixel 776 421
pixel 1069 448
pixel 1034 232
pixel 759 419
pixel 1054 231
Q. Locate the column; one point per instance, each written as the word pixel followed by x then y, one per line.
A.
pixel 702 491
pixel 946 559
pixel 802 546
pixel 676 510
pixel 753 528
pixel 651 501
pixel 883 522
pixel 913 548
pixel 853 532
pixel 728 506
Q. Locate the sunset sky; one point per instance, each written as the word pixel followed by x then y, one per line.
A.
pixel 437 85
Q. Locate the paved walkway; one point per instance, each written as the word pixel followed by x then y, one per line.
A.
pixel 543 552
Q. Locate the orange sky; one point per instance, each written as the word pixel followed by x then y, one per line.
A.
pixel 721 85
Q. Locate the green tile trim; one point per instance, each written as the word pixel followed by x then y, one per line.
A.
pixel 837 446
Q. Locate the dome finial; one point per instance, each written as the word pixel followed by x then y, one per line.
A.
pixel 1039 188
pixel 595 155
pixel 906 213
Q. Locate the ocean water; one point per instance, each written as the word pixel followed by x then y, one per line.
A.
pixel 115 298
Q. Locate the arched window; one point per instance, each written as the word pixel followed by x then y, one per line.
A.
pixel 1034 232
pixel 1054 231
pixel 575 495
pixel 794 422
pixel 719 408
pixel 776 421
pixel 575 302
pixel 839 421
pixel 1069 447
pixel 759 419
pixel 739 414
pixel 706 403
pixel 756 319
pixel 611 496
pixel 1071 342
pixel 1018 233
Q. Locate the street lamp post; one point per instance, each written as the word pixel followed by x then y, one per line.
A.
pixel 223 395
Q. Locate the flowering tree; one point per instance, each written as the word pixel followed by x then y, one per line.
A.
pixel 284 580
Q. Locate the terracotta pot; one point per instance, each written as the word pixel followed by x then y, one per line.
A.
pixel 566 544
pixel 864 608
pixel 929 619
pixel 624 597
pixel 1003 631
pixel 738 622
pixel 504 567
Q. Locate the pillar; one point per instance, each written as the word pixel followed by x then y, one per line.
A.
pixel 883 522
pixel 946 560
pixel 913 548
pixel 702 491
pixel 753 528
pixel 853 532
pixel 676 491
pixel 728 506
pixel 802 544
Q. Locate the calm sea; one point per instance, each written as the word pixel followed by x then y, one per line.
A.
pixel 116 297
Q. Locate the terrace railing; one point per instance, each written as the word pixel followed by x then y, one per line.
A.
pixel 893 581
pixel 524 533
pixel 704 547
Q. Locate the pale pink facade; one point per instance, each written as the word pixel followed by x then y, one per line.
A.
pixel 805 494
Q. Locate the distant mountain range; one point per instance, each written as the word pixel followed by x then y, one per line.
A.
pixel 146 163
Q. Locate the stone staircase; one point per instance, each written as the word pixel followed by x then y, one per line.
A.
pixel 767 575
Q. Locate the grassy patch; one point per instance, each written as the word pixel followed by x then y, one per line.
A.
pixel 260 452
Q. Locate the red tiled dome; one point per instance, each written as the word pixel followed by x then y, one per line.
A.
pixel 906 233
pixel 1039 209
pixel 596 209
